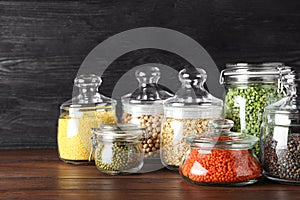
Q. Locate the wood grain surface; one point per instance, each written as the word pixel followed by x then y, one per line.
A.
pixel 42 44
pixel 38 174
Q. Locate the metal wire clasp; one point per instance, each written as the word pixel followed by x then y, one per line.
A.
pixel 280 84
pixel 221 79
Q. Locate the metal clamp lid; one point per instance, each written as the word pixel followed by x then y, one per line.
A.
pixel 244 73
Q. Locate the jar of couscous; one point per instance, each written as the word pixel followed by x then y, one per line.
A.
pixel 79 115
pixel 187 113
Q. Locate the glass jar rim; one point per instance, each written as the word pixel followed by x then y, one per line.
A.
pixel 219 136
pixel 117 132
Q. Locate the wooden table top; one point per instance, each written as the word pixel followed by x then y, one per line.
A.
pixel 39 174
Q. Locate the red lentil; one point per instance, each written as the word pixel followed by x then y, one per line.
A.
pixel 220 166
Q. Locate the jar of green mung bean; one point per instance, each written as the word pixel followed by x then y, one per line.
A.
pixel 249 88
pixel 117 149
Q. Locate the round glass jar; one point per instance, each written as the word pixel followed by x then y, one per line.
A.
pixel 249 89
pixel 187 113
pixel 280 137
pixel 117 149
pixel 221 157
pixel 144 107
pixel 79 115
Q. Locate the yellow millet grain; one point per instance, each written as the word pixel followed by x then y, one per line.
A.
pixel 70 148
pixel 106 117
pixel 76 146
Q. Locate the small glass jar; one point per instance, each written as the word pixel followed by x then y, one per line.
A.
pixel 221 157
pixel 144 107
pixel 79 115
pixel 249 89
pixel 117 149
pixel 280 136
pixel 187 113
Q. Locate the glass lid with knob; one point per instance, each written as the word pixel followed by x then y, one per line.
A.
pixel 192 100
pixel 149 96
pixel 88 94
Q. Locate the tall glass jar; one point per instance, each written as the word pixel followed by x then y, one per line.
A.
pixel 221 157
pixel 187 113
pixel 79 115
pixel 249 89
pixel 144 107
pixel 280 137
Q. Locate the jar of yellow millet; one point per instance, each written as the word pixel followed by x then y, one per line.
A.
pixel 78 115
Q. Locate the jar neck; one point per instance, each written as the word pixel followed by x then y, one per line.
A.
pixel 89 95
pixel 192 89
pixel 196 84
pixel 149 81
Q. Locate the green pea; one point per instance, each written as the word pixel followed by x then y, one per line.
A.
pixel 256 98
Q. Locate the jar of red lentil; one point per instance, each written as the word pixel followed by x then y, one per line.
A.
pixel 187 113
pixel 79 115
pixel 144 107
pixel 221 157
pixel 280 136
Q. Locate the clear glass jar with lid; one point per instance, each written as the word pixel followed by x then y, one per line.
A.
pixel 280 136
pixel 187 113
pixel 78 115
pixel 221 157
pixel 117 149
pixel 249 89
pixel 144 107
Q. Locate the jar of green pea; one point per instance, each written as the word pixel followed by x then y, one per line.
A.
pixel 249 88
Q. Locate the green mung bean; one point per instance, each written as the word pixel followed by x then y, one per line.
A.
pixel 118 156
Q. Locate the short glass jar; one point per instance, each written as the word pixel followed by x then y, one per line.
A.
pixel 79 115
pixel 221 157
pixel 117 149
pixel 249 89
pixel 187 113
pixel 280 136
pixel 144 107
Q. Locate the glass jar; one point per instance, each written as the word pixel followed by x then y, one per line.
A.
pixel 79 115
pixel 249 89
pixel 117 149
pixel 187 113
pixel 221 157
pixel 280 137
pixel 144 107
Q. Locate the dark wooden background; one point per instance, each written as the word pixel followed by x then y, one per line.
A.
pixel 43 43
